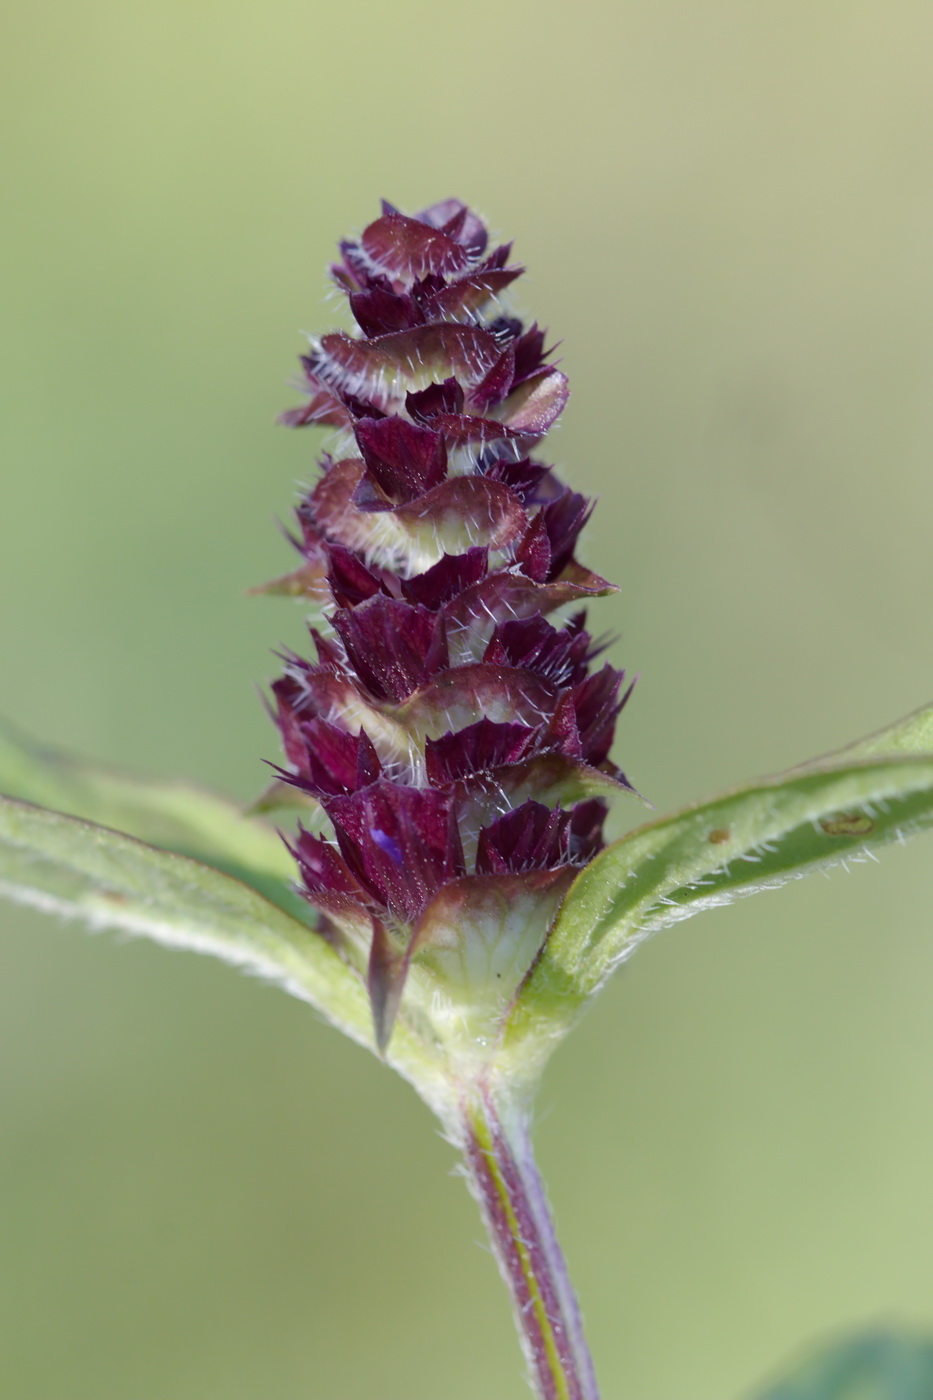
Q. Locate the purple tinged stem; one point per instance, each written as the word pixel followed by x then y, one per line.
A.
pixel 505 1180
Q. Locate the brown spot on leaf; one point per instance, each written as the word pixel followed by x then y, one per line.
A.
pixel 718 835
pixel 847 824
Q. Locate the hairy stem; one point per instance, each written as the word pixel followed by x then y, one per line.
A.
pixel 495 1140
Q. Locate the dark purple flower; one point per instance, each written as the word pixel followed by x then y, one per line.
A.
pixel 455 741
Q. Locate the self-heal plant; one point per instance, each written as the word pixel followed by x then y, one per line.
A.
pixel 446 898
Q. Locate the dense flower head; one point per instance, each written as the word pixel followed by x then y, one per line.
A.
pixel 453 736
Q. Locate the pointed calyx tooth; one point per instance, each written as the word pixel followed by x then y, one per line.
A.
pixel 405 458
pixel 530 837
pixel 392 646
pixel 451 735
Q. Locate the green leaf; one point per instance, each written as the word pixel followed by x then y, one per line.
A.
pixel 831 812
pixel 63 865
pixel 176 816
pixel 76 868
pixel 874 1366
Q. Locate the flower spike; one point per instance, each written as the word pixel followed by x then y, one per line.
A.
pixel 455 741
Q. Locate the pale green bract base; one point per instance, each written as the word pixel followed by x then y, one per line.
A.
pixel 169 862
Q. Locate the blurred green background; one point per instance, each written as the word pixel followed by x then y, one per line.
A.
pixel 726 209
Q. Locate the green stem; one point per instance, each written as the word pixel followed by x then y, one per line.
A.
pixel 495 1140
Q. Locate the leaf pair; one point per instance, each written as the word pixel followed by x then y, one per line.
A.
pixel 167 861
